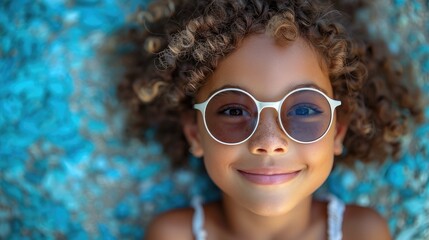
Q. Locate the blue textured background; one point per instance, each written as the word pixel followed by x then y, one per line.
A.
pixel 66 170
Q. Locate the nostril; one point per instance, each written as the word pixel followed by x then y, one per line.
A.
pixel 279 150
pixel 276 150
pixel 261 150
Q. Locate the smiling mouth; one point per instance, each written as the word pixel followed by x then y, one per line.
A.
pixel 268 179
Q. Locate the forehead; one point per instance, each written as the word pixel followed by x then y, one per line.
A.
pixel 268 70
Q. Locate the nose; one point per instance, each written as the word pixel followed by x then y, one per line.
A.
pixel 269 138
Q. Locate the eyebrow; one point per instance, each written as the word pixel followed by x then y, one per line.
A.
pixel 227 86
pixel 304 85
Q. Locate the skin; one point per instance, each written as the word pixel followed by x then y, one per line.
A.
pixel 276 211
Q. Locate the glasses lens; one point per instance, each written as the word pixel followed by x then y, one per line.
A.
pixel 231 116
pixel 306 115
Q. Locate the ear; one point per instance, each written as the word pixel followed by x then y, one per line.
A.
pixel 192 134
pixel 340 133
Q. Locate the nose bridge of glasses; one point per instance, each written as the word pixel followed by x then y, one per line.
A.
pixel 263 105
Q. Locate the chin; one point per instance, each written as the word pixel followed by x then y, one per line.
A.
pixel 270 212
pixel 271 208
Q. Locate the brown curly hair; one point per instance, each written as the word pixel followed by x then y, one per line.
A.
pixel 180 43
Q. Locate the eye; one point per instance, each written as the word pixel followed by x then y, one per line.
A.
pixel 304 110
pixel 234 111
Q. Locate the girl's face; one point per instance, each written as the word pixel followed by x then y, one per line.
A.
pixel 269 174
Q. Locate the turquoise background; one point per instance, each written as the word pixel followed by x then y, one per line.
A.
pixel 68 172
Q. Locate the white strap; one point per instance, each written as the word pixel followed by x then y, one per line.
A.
pixel 335 218
pixel 198 219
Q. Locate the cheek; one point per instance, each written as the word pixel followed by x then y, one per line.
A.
pixel 218 161
pixel 214 149
pixel 319 159
pixel 320 155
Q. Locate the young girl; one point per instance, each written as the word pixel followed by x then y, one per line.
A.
pixel 266 93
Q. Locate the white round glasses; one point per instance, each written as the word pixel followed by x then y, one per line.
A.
pixel 231 115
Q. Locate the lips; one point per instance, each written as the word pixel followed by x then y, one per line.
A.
pixel 268 178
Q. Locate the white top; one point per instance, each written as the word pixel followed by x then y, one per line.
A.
pixel 335 218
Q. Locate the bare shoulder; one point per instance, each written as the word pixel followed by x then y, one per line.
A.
pixel 175 224
pixel 364 223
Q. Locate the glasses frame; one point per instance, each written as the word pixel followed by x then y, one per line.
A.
pixel 333 104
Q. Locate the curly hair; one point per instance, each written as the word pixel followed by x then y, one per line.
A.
pixel 179 45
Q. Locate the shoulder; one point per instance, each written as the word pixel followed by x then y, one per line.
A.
pixel 175 224
pixel 364 223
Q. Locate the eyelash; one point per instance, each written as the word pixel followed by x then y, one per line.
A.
pixel 313 108
pixel 243 109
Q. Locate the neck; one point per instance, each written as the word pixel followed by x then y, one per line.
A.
pixel 244 224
